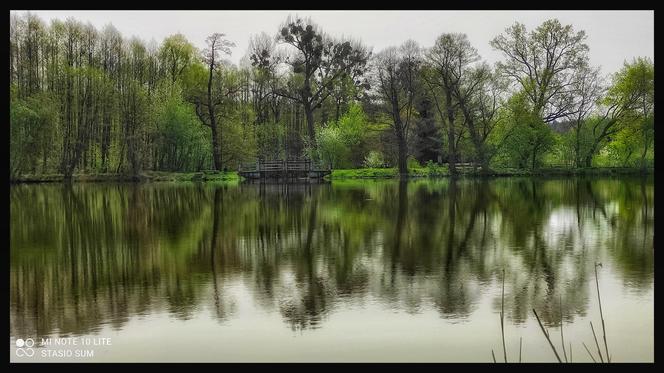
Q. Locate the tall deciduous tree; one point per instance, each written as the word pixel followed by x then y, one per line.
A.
pixel 542 62
pixel 523 137
pixel 395 81
pixel 450 59
pixel 630 99
pixel 266 103
pixel 479 97
pixel 176 54
pixel 588 90
pixel 320 62
pixel 206 106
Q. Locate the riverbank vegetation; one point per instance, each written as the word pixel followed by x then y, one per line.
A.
pixel 230 176
pixel 86 102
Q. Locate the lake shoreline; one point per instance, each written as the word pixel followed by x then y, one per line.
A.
pixel 152 176
pixel 421 173
pixel 341 174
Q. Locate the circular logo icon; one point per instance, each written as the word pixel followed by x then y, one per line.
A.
pixel 27 352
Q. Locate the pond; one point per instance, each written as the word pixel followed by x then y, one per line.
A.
pixel 371 271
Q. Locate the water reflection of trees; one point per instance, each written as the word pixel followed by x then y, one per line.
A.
pixel 90 255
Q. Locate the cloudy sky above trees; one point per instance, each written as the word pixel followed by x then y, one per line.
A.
pixel 613 36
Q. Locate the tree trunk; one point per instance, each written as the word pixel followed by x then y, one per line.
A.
pixel 216 149
pixel 577 148
pixel 643 155
pixel 477 142
pixel 484 162
pixel 450 134
pixel 403 155
pixel 336 114
pixel 67 173
pixel 104 141
pixel 44 161
pixel 309 113
pixel 588 161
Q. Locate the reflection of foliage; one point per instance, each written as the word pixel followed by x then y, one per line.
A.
pixel 87 255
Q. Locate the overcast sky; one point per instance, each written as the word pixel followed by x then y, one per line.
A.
pixel 613 36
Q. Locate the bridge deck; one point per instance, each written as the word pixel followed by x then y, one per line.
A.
pixel 283 169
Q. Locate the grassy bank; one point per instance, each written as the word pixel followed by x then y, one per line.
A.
pixel 442 171
pixel 342 174
pixel 148 176
pixel 193 176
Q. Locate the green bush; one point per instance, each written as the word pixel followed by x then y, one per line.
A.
pixel 374 159
pixel 363 173
pixel 413 163
pixel 339 141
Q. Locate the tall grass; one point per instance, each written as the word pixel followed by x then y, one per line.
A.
pixel 592 328
pixel 562 335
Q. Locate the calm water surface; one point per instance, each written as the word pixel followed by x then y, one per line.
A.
pixel 348 271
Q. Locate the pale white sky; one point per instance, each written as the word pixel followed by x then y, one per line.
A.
pixel 613 36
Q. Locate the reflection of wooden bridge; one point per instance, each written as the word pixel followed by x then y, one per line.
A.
pixel 283 169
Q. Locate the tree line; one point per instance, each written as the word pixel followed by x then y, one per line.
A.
pixel 91 101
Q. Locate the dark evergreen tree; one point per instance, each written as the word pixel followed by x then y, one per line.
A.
pixel 427 142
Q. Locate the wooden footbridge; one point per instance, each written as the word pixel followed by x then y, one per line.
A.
pixel 297 169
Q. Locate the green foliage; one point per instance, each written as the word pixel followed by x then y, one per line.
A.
pixel 542 61
pixel 436 169
pixel 633 90
pixel 32 123
pixel 522 138
pixel 413 163
pixel 238 144
pixel 353 124
pixel 363 173
pixel 331 148
pixel 224 177
pixel 626 146
pixel 431 169
pixel 270 140
pixel 374 159
pixel 182 142
pixel 340 143
pixel 176 54
pixel 634 87
pixel 193 79
pixel 87 101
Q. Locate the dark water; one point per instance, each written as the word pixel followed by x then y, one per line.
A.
pixel 348 271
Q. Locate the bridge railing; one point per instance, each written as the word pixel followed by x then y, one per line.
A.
pixel 467 165
pixel 271 166
pixel 298 165
pixel 282 166
pixel 248 167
